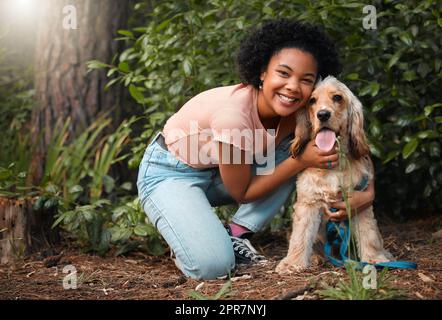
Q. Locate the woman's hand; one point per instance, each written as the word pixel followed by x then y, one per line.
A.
pixel 358 200
pixel 314 157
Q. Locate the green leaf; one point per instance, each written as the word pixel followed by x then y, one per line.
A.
pixel 124 67
pixel 76 189
pixel 428 134
pixel 410 147
pixel 38 204
pixel 187 66
pixel 240 24
pixel 51 188
pixel 126 33
pixel 140 29
pixel 51 203
pixel 197 296
pixel 95 64
pixel 126 186
pixel 352 5
pixel 390 156
pixel 409 75
pixel 120 234
pixel 394 59
pixel 365 90
pixel 163 25
pixel 374 88
pixel 406 38
pixel 411 167
pixel 142 230
pixel 268 11
pixel 5 174
pixel 110 83
pixel 353 76
pixel 155 246
pixel 224 290
pixel 127 247
pixel 136 94
pixel 378 105
pixel 429 109
pixel 109 183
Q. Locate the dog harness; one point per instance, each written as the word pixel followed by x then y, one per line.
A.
pixel 338 240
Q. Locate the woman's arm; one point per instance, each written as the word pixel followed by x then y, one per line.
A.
pixel 244 187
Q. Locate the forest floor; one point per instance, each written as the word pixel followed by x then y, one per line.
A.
pixel 139 276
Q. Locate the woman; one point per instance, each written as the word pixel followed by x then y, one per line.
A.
pixel 230 144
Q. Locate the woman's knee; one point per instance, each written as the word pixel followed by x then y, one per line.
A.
pixel 222 265
pixel 208 265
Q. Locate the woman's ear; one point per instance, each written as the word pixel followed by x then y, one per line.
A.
pixel 358 141
pixel 302 132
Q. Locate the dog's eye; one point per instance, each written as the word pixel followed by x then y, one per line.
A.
pixel 337 98
pixel 312 101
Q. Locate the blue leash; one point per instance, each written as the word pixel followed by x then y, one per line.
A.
pixel 338 237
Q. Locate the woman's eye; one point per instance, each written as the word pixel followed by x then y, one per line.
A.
pixel 283 73
pixel 337 98
pixel 312 101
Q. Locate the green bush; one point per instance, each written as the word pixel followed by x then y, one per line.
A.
pixel 16 102
pixel 187 47
pixel 93 205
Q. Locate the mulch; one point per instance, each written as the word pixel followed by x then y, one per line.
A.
pixel 139 276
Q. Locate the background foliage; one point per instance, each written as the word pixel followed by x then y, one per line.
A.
pixel 16 103
pixel 187 47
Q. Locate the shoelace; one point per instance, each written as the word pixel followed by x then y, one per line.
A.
pixel 241 245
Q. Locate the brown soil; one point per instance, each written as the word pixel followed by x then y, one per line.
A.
pixel 139 276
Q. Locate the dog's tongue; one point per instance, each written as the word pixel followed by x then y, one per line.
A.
pixel 325 139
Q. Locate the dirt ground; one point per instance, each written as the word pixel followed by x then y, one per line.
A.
pixel 142 277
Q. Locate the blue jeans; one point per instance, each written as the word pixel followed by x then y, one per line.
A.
pixel 178 200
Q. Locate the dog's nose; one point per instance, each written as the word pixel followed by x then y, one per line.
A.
pixel 323 115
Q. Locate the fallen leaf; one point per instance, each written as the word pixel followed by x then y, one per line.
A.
pixel 424 277
pixel 30 274
pixel 419 295
pixel 244 277
pixel 199 286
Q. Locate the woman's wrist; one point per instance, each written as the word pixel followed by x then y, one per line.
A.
pixel 298 162
pixel 296 165
pixel 370 195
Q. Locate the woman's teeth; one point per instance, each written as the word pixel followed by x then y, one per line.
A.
pixel 286 99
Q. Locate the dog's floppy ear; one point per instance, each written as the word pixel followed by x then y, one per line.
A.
pixel 358 141
pixel 302 132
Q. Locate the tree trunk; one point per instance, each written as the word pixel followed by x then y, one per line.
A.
pixel 23 231
pixel 63 87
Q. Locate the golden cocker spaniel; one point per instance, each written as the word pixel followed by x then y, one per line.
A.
pixel 333 110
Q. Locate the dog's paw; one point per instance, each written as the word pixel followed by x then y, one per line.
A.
pixel 287 266
pixel 383 256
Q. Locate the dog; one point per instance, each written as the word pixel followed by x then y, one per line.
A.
pixel 332 110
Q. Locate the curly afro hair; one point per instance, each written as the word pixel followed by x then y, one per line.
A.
pixel 261 44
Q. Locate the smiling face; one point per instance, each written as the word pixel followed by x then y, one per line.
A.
pixel 287 83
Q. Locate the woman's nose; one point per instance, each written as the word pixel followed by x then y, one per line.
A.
pixel 293 85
